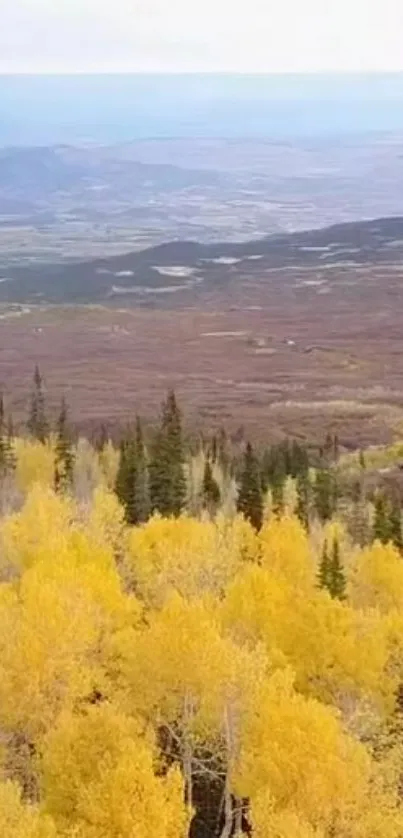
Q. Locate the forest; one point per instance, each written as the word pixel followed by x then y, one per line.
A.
pixel 199 636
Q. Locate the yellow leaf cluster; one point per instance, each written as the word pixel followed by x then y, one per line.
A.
pixel 138 662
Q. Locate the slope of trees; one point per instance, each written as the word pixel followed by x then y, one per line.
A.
pixel 183 655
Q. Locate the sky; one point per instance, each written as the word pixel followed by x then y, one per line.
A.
pixel 76 36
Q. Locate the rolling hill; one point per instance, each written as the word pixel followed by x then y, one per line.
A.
pixel 180 271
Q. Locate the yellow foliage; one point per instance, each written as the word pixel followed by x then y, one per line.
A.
pixel 295 748
pixel 188 556
pixel 269 822
pixel 18 820
pixel 98 776
pixel 334 650
pixel 377 578
pixel 57 628
pixel 35 463
pixel 161 668
pixel 105 520
pixel 38 531
pixel 197 643
pixel 109 462
pixel 285 550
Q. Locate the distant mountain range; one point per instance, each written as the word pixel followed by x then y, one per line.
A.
pixel 182 266
pixel 37 173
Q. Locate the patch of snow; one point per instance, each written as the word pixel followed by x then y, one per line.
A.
pixel 135 289
pixel 313 249
pixel 175 270
pixel 125 273
pixel 224 260
pixel 223 334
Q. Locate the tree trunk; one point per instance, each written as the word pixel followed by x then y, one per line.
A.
pixel 238 817
pixel 187 753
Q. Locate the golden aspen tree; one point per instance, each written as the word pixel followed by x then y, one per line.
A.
pixel 20 820
pixel 99 778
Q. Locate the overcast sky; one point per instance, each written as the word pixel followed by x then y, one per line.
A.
pixel 200 35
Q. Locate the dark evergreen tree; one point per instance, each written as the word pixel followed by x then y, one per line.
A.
pixel 299 460
pixel 141 495
pixel 56 479
pixel 324 494
pixel 101 438
pixel 210 488
pixel 304 494
pixel 132 478
pixel 381 524
pixel 337 579
pixel 250 501
pixel 7 452
pixel 277 492
pixel 361 459
pixel 9 449
pixel 167 476
pixel 37 421
pixel 214 448
pixel 324 568
pixel 331 574
pixel 223 453
pixel 357 521
pixel 123 478
pixel 395 524
pixel 64 453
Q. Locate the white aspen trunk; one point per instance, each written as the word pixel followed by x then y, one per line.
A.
pixel 187 752
pixel 228 811
pixel 238 817
pixel 228 807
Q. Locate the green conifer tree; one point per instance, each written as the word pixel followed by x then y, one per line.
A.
pixel 141 494
pixel 324 568
pixel 101 438
pixel 167 476
pixel 299 459
pixel 210 489
pixel 123 477
pixel 9 448
pixel 37 422
pixel 277 492
pixel 337 579
pixel 222 453
pixel 250 501
pixel 64 453
pixel 324 494
pixel 304 493
pixel 395 524
pixel 381 523
pixel 7 453
pixel 357 521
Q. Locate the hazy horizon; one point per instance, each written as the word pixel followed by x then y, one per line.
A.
pixel 111 108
